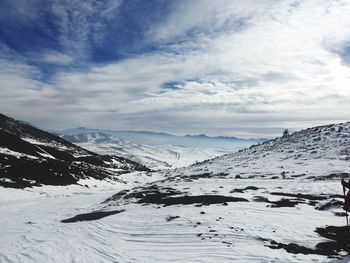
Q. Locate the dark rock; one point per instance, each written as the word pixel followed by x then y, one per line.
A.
pixel 171 218
pixel 91 216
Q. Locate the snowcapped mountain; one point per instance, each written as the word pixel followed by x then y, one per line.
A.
pixel 156 150
pixel 30 156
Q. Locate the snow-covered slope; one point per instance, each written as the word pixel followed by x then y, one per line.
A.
pixel 312 153
pixel 30 156
pixel 167 152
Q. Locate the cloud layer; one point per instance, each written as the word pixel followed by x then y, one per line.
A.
pixel 246 68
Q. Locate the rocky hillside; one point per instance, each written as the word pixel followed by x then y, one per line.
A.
pixel 30 156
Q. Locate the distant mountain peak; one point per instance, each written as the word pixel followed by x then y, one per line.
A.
pixel 202 135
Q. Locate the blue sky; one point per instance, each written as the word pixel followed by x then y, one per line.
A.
pixel 225 67
pixel 77 34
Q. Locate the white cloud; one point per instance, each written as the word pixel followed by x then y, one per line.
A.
pixel 81 22
pixel 57 58
pixel 242 66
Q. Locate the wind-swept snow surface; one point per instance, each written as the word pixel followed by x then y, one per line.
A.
pixel 152 230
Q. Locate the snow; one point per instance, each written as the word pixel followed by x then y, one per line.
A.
pixel 54 144
pixel 45 154
pixel 157 152
pixel 36 142
pixel 285 168
pixel 155 157
pixel 294 155
pixel 32 232
pixel 6 151
pixel 45 143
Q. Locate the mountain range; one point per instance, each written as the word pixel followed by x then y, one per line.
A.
pixel 161 138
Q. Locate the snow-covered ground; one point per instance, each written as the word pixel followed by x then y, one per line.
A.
pixel 32 231
pixel 31 228
pixel 276 202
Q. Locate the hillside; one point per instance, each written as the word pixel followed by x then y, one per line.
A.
pixel 30 156
pixel 314 153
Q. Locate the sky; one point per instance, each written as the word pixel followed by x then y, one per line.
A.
pixel 224 67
